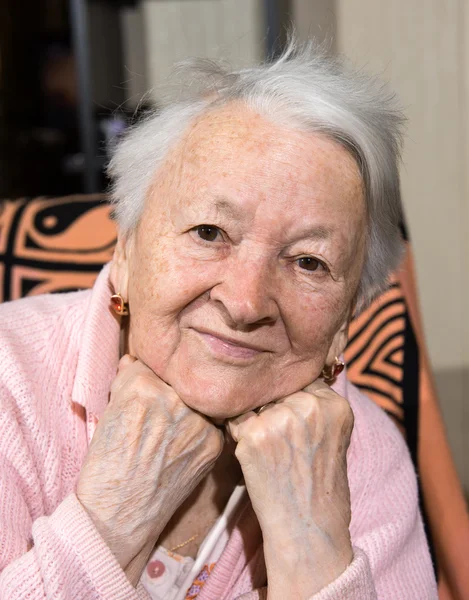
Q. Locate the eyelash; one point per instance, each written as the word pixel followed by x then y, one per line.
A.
pixel 313 258
pixel 219 232
pixel 198 228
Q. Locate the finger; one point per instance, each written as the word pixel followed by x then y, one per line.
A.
pixel 318 386
pixel 129 368
pixel 262 409
pixel 319 398
pixel 310 400
pixel 235 424
pixel 125 361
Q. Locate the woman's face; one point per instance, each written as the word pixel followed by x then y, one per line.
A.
pixel 242 271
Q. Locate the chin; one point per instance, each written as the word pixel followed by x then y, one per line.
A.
pixel 216 408
pixel 218 402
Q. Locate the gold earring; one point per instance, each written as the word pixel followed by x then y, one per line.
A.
pixel 119 306
pixel 331 372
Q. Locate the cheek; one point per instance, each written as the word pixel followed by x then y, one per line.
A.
pixel 164 284
pixel 314 319
pixel 158 280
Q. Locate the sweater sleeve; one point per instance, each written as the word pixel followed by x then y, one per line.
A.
pixel 68 560
pixel 49 547
pixel 355 583
pixel 391 556
pixel 57 556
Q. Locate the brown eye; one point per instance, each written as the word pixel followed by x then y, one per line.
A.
pixel 309 263
pixel 209 233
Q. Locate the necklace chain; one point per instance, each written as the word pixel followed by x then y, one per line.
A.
pixel 191 539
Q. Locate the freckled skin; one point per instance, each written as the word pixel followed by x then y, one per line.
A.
pixel 248 285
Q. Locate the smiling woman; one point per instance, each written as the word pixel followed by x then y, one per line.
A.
pixel 253 220
pixel 236 270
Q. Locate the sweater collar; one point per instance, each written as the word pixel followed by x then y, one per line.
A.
pixel 98 353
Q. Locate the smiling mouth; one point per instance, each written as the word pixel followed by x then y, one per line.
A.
pixel 229 348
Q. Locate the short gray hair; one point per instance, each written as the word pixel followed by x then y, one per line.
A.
pixel 305 89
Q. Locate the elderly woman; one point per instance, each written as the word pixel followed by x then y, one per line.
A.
pixel 173 433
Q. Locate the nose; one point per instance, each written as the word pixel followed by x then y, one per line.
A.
pixel 246 293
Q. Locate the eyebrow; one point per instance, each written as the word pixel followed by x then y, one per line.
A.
pixel 319 232
pixel 223 205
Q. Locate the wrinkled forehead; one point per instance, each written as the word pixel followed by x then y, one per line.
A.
pixel 235 146
pixel 234 128
pixel 229 128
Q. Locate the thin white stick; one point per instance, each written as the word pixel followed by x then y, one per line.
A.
pixel 210 541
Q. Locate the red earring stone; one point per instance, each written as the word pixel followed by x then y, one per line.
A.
pixel 119 306
pixel 338 368
pixel 330 373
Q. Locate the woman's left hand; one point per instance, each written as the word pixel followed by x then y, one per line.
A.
pixel 293 457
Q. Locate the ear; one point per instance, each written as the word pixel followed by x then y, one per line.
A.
pixel 120 265
pixel 339 341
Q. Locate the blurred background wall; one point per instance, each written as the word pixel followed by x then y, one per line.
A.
pixel 158 34
pixel 421 48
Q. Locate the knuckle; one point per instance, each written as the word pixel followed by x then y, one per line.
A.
pixel 325 393
pixel 312 405
pixel 343 417
pixel 245 451
pixel 142 383
pixel 147 391
pixel 256 436
pixel 217 443
pixel 335 404
pixel 344 411
pixel 274 423
pixel 211 446
pixel 286 417
pixel 135 387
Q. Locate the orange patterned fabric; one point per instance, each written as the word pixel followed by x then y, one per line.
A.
pixel 54 245
pixel 375 352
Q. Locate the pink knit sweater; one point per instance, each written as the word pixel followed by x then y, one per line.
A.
pixel 58 356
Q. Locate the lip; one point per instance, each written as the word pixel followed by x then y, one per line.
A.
pixel 232 348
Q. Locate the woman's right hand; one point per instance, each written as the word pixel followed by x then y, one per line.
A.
pixel 148 453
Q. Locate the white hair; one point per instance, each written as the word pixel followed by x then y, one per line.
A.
pixel 304 89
